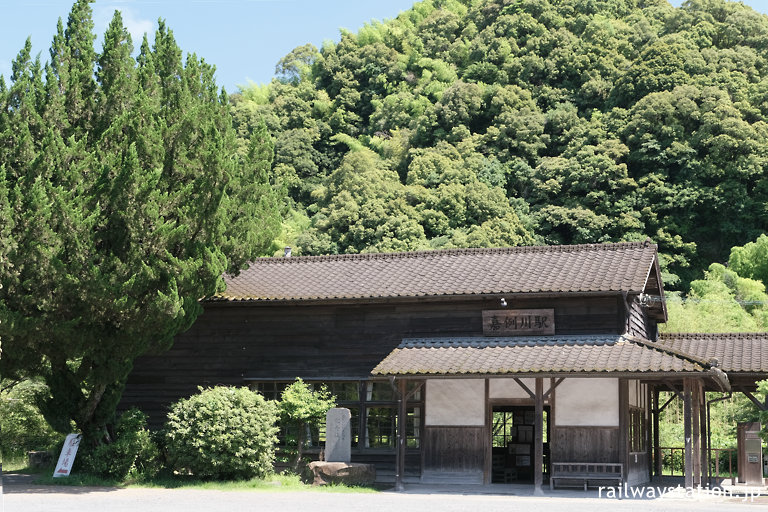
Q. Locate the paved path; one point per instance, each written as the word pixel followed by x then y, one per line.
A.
pixel 19 494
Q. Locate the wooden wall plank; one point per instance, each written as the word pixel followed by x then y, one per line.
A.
pixel 585 444
pixel 455 449
pixel 230 343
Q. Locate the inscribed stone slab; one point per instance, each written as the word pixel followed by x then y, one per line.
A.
pixel 338 435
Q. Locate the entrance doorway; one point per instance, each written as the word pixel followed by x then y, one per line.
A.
pixel 512 443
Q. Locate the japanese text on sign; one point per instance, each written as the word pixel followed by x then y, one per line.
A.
pixel 518 322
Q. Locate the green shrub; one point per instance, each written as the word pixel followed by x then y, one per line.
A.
pixel 222 433
pixel 22 425
pixel 300 407
pixel 131 452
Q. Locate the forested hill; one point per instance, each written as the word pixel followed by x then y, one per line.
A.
pixel 503 122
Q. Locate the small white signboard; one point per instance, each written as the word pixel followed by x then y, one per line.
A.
pixel 67 457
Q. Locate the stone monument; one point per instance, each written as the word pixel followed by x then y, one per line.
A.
pixel 337 466
pixel 338 435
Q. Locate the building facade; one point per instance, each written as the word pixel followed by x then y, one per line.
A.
pixel 521 364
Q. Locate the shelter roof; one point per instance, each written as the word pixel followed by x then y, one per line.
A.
pixel 590 354
pixel 561 355
pixel 731 352
pixel 594 268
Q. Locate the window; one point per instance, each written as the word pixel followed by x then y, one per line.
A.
pixel 637 428
pixel 271 390
pixel 380 427
pixel 373 406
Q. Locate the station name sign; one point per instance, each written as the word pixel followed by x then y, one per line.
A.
pixel 518 322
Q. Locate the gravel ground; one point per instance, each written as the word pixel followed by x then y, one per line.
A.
pixel 19 494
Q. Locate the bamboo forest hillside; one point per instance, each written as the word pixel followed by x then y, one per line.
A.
pixel 506 122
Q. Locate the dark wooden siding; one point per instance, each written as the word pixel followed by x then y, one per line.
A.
pixel 585 444
pixel 232 342
pixel 638 467
pixel 455 449
pixel 639 323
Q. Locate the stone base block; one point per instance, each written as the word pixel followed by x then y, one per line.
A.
pixel 342 473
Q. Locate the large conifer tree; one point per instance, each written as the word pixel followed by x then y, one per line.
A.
pixel 123 200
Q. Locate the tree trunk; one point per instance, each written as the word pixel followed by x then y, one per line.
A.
pixel 299 448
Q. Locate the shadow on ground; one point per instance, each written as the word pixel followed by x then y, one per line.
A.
pixel 19 483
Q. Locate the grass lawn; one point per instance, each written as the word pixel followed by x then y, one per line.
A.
pixel 14 464
pixel 275 482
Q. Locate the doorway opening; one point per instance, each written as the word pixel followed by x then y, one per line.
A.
pixel 512 443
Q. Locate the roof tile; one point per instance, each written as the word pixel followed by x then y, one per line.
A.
pixel 735 352
pixel 546 269
pixel 533 354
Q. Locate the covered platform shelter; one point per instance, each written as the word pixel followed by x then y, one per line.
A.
pixel 742 357
pixel 598 389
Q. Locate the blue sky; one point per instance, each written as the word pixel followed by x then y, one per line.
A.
pixel 243 38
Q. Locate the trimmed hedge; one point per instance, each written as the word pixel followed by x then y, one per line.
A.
pixel 222 433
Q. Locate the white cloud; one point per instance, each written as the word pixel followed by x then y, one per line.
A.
pixel 136 25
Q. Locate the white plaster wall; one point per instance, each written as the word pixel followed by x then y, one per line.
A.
pixel 508 388
pixel 587 403
pixel 455 402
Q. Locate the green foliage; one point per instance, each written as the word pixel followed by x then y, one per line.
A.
pixel 724 417
pixel 751 260
pixel 21 423
pixel 222 433
pixel 131 452
pixel 125 196
pixel 762 387
pixel 597 121
pixel 723 301
pixel 302 407
pixel 299 403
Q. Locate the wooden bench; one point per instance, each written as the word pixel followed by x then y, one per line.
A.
pixel 586 472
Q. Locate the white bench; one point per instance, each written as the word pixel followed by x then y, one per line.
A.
pixel 586 472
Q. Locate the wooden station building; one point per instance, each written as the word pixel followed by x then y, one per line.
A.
pixel 515 364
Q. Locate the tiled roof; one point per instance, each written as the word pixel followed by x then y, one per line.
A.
pixel 592 354
pixel 547 269
pixel 735 352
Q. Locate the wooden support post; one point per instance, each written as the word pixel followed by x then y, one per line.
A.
pixel 402 418
pixel 487 467
pixel 687 413
pixel 657 460
pixel 538 445
pixel 705 467
pixel 624 426
pixel 648 429
pixel 551 427
pixel 696 431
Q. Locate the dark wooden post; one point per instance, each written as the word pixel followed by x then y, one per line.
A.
pixel 648 428
pixel 696 431
pixel 402 418
pixel 624 426
pixel 704 435
pixel 538 446
pixel 656 413
pixel 488 451
pixel 687 413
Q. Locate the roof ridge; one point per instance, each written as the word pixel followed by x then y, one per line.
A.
pixel 612 246
pixel 529 340
pixel 695 335
pixel 708 364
